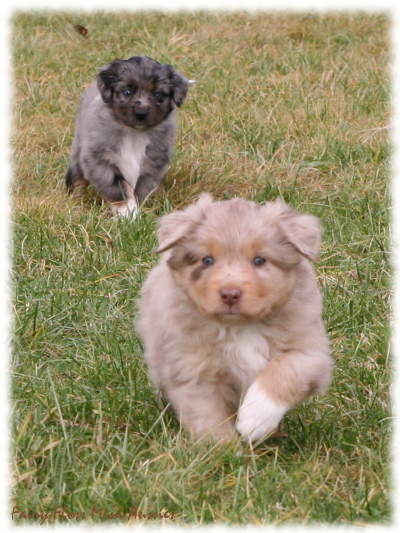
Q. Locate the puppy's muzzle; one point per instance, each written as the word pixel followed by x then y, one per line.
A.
pixel 141 114
pixel 230 296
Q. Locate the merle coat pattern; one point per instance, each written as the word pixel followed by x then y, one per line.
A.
pixel 125 131
pixel 231 317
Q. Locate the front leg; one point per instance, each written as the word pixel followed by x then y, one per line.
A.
pixel 286 381
pixel 204 408
pixel 112 185
pixel 147 183
pixel 155 168
pixel 121 198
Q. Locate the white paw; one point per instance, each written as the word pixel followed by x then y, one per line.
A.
pixel 126 209
pixel 258 415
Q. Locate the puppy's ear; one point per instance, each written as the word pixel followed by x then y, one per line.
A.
pixel 107 77
pixel 180 87
pixel 171 229
pixel 301 230
pixel 175 226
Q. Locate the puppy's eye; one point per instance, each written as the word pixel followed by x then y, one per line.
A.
pixel 158 94
pixel 258 261
pixel 208 260
pixel 128 92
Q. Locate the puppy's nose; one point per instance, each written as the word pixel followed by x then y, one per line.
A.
pixel 141 114
pixel 230 296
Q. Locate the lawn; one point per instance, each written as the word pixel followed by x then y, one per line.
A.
pixel 286 105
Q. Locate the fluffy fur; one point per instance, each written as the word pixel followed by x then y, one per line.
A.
pixel 125 131
pixel 231 316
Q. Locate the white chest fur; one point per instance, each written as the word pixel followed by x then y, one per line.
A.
pixel 130 156
pixel 246 352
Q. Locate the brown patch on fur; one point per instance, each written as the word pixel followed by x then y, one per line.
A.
pixel 197 273
pixel 182 257
pixel 234 245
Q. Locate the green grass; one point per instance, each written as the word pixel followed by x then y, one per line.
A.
pixel 290 105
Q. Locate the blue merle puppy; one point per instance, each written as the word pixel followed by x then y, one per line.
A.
pixel 125 131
